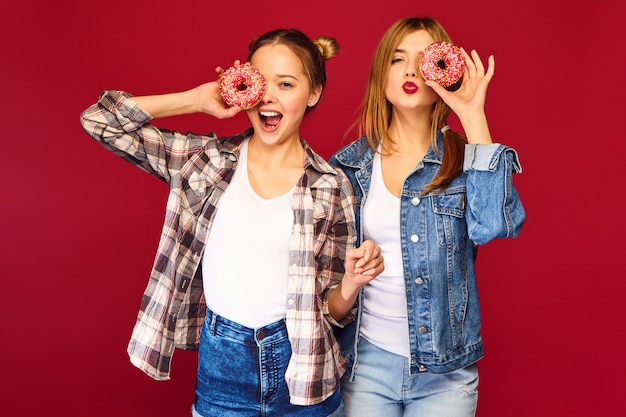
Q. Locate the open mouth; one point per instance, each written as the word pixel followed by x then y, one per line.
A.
pixel 270 119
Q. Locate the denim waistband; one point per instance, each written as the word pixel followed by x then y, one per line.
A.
pixel 222 326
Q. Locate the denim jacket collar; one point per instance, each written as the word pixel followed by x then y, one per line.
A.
pixel 359 154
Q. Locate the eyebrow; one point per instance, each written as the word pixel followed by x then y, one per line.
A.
pixel 286 76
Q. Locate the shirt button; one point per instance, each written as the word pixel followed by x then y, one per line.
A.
pixel 293 268
pixel 419 280
pixel 290 302
pixel 415 201
pixel 423 330
pixel 415 238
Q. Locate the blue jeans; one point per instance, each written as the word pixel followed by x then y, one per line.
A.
pixel 241 372
pixel 382 386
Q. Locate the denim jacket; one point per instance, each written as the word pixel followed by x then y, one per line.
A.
pixel 440 232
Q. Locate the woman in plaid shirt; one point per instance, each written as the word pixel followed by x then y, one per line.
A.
pixel 254 264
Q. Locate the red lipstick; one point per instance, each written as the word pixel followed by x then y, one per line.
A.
pixel 409 87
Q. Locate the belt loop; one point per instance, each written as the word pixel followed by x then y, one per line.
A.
pixel 213 323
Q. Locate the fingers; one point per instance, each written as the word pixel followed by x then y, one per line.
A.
pixel 219 70
pixel 474 66
pixel 442 92
pixel 369 260
pixel 491 69
pixel 228 112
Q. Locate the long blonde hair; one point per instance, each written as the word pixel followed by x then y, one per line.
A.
pixel 376 110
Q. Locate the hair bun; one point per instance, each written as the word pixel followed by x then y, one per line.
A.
pixel 328 47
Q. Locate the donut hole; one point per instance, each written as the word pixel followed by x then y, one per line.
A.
pixel 441 64
pixel 242 87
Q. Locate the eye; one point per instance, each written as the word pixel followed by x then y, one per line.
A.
pixel 396 59
pixel 285 84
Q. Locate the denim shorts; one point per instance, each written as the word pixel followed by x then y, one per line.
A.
pixel 382 386
pixel 241 372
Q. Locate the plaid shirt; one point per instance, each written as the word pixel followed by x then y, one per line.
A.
pixel 198 168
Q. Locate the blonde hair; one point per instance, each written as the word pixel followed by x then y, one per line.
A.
pixel 376 110
pixel 312 54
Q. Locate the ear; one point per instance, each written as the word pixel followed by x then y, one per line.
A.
pixel 314 97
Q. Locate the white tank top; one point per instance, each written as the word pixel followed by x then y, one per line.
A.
pixel 245 261
pixel 384 321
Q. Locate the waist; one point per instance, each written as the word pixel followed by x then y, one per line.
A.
pixel 269 333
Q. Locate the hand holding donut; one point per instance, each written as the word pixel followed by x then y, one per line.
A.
pixel 471 95
pixel 468 102
pixel 210 102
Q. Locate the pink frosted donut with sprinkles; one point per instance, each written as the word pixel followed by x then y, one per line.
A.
pixel 443 63
pixel 242 85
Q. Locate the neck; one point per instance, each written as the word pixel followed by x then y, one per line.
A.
pixel 284 154
pixel 410 132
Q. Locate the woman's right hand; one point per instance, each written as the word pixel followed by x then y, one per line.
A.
pixel 210 100
pixel 205 98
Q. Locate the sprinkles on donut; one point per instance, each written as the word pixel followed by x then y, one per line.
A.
pixel 443 63
pixel 242 85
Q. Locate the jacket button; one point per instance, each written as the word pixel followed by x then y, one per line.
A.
pixel 415 201
pixel 423 330
pixel 422 368
pixel 419 281
pixel 415 238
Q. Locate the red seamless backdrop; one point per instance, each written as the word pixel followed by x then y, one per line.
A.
pixel 79 226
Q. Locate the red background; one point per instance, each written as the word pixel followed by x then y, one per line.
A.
pixel 79 226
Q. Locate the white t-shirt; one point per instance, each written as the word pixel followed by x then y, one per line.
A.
pixel 384 320
pixel 245 261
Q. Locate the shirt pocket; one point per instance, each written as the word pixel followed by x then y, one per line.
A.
pixel 192 197
pixel 321 223
pixel 449 212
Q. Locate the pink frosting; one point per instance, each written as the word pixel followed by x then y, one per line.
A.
pixel 242 85
pixel 446 55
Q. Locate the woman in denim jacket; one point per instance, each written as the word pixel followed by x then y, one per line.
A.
pixel 427 196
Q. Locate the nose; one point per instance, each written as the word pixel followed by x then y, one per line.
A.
pixel 268 96
pixel 411 68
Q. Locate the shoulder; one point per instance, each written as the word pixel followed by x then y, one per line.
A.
pixel 355 154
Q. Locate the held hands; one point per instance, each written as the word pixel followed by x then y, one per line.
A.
pixel 363 264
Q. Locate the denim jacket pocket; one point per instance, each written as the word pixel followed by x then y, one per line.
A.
pixel 449 212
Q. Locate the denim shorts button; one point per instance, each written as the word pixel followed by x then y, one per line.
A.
pixel 260 335
pixel 422 368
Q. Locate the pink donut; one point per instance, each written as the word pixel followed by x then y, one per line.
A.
pixel 242 85
pixel 443 63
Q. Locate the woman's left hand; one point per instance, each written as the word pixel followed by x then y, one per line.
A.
pixel 364 263
pixel 468 102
